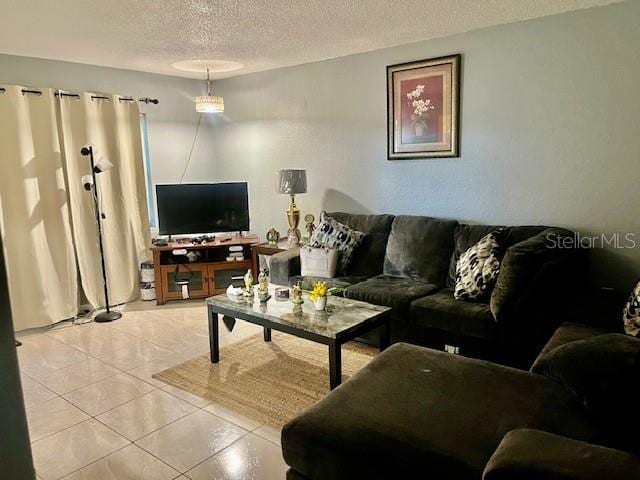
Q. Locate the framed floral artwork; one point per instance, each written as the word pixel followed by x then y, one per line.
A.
pixel 423 105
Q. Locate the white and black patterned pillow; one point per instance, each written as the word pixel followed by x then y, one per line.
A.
pixel 631 313
pixel 478 268
pixel 332 234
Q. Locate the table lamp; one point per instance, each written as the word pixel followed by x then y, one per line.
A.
pixel 290 182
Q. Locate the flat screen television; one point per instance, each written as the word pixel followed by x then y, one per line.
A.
pixel 202 208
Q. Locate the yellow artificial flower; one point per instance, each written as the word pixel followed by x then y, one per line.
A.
pixel 319 291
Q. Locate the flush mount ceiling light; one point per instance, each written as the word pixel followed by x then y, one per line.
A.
pixel 209 103
pixel 201 66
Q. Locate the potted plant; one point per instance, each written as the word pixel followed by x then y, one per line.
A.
pixel 319 295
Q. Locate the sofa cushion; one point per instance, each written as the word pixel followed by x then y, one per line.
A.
pixel 466 236
pixel 566 333
pixel 413 409
pixel 602 371
pixel 631 313
pixel 442 311
pixel 394 292
pixel 420 248
pixel 477 269
pixel 368 257
pixel 332 234
pixel 527 454
pixel 520 264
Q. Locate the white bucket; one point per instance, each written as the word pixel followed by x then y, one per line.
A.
pixel 147 291
pixel 147 272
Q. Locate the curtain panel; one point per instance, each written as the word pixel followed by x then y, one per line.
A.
pixel 112 127
pixel 44 139
pixel 34 211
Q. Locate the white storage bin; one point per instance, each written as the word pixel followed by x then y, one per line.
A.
pixel 147 274
pixel 318 262
pixel 147 291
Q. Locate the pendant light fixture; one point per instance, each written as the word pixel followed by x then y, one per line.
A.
pixel 209 103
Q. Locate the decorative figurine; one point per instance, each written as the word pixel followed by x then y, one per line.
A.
pixel 309 226
pixel 273 237
pixel 263 286
pixel 248 284
pixel 296 294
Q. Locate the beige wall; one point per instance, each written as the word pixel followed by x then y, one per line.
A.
pixel 550 132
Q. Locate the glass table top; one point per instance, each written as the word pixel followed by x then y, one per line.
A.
pixel 340 316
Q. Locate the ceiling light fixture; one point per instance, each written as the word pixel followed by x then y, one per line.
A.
pixel 209 103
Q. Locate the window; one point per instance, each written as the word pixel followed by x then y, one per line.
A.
pixel 153 219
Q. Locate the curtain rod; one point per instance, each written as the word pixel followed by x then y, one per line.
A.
pixel 59 93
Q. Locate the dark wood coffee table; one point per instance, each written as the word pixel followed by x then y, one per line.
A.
pixel 343 321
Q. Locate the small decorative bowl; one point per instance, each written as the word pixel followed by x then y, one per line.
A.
pixel 282 293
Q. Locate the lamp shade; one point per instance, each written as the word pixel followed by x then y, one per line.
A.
pixel 291 181
pixel 209 104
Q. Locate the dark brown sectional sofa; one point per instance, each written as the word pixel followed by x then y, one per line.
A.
pixel 415 412
pixel 409 263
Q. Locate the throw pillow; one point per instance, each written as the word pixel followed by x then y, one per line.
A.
pixel 602 372
pixel 332 234
pixel 478 268
pixel 631 313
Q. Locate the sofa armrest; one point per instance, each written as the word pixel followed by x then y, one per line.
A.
pixel 284 265
pixel 526 454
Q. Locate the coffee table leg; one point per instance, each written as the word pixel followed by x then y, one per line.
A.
pixel 385 335
pixel 267 334
pixel 214 341
pixel 335 365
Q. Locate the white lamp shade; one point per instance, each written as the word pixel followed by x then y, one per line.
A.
pixel 209 104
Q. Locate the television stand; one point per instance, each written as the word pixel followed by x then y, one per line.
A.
pixel 209 275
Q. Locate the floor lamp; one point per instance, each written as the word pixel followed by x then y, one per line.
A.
pixel 89 182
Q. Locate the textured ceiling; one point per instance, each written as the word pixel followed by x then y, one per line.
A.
pixel 150 35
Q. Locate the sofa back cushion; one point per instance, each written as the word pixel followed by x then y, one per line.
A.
pixel 420 248
pixel 466 236
pixel 368 258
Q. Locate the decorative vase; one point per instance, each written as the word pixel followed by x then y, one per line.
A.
pixel 419 128
pixel 320 303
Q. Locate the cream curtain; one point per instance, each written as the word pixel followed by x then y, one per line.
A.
pixel 48 218
pixel 112 126
pixel 34 212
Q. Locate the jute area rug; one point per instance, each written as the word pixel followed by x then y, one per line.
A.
pixel 271 382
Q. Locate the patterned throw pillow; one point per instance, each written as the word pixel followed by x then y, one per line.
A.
pixel 333 234
pixel 478 268
pixel 632 313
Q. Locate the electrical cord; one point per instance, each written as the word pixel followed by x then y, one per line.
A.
pixel 195 137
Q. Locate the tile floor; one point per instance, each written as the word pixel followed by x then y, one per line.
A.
pixel 94 412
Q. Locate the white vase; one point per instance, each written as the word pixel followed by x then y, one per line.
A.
pixel 419 128
pixel 320 303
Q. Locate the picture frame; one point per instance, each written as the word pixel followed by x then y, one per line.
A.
pixel 423 108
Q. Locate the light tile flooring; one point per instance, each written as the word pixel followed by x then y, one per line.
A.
pixel 94 412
